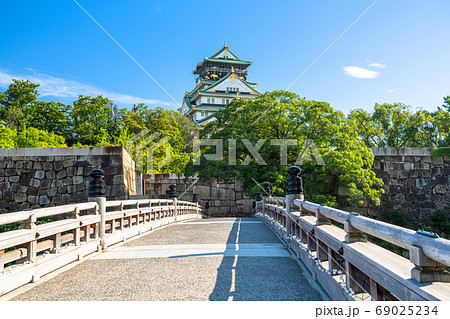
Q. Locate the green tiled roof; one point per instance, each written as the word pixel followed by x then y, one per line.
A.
pixel 205 119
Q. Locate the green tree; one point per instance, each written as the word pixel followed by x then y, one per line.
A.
pixel 95 121
pixel 166 123
pixel 33 137
pixel 284 115
pixel 7 136
pixel 391 125
pixel 17 102
pixel 50 116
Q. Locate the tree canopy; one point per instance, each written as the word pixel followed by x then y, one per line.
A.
pixel 284 115
pixel 26 121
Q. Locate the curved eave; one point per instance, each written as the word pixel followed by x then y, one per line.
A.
pixel 203 120
pixel 223 79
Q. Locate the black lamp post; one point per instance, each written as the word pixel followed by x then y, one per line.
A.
pixel 97 184
pixel 266 189
pixel 172 192
pixel 294 183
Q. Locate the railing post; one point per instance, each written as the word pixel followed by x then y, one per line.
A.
pixel 195 201
pixel 426 269
pixel 97 194
pixel 175 209
pixel 77 231
pixel 2 260
pixel 266 195
pixel 353 235
pixel 321 219
pixel 30 223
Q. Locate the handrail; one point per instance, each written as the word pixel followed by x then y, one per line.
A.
pixel 21 216
pixel 434 248
pixel 78 235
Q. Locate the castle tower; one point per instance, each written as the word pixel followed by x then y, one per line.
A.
pixel 221 79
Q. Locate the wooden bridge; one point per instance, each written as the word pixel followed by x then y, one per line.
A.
pixel 164 250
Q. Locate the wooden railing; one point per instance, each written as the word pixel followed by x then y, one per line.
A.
pixel 37 248
pixel 347 265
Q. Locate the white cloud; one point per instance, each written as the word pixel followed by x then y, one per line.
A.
pixel 360 73
pixel 70 89
pixel 377 65
pixel 391 90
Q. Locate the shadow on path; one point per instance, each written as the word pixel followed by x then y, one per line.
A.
pixel 259 278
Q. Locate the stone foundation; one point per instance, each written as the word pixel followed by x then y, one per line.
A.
pixel 34 178
pixel 414 182
pixel 226 198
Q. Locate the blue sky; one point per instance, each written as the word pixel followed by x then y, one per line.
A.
pixel 398 52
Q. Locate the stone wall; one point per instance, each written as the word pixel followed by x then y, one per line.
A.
pixel 33 178
pixel 226 198
pixel 414 182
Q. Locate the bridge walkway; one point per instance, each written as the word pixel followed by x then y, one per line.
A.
pixel 210 259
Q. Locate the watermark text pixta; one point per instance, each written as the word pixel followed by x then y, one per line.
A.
pixel 253 150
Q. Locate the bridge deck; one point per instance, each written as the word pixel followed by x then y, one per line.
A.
pixel 213 259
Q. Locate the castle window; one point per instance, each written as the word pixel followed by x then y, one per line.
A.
pixel 203 113
pixel 212 100
pixel 208 100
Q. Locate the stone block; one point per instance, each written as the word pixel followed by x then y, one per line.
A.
pixel 17 188
pixel 77 180
pixel 14 179
pixel 71 171
pixel 68 163
pixel 66 199
pixel 440 179
pixel 28 165
pixel 34 182
pixel 10 172
pixel 204 192
pixel 403 174
pixel 420 183
pixel 118 179
pixel 71 189
pixel 32 190
pixel 44 200
pixel 47 166
pixel 61 174
pixel 33 200
pixel 440 189
pixel 37 166
pixel 50 175
pixel 58 166
pixel 80 170
pixel 57 199
pixel 45 184
pixel 5 185
pixel 56 183
pixel 67 181
pixel 52 191
pixel 20 197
